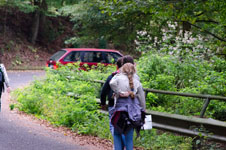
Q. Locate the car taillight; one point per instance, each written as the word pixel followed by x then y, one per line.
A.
pixel 55 66
pixel 51 64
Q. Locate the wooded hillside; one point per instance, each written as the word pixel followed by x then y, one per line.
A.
pixel 133 27
pixel 16 48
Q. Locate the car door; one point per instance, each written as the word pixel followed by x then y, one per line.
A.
pixel 92 58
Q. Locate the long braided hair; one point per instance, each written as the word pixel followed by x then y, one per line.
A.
pixel 129 70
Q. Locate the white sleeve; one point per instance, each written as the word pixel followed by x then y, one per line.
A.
pixel 5 75
pixel 114 84
pixel 141 97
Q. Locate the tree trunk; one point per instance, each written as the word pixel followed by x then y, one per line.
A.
pixel 186 27
pixel 4 26
pixel 62 2
pixel 35 27
pixel 42 22
pixel 5 20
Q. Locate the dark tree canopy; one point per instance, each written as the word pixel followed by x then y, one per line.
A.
pixel 118 22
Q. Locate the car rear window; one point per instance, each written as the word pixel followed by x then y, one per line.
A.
pixel 57 55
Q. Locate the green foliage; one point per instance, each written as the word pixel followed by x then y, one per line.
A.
pixel 154 17
pixel 164 141
pixel 89 23
pixel 120 22
pixel 217 110
pixel 94 25
pixel 49 98
pixel 188 75
pixel 22 5
pixel 66 98
pixel 151 99
pixel 28 6
pixel 202 142
pixel 220 113
pixel 11 106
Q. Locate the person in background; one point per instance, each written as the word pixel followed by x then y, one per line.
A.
pixel 128 59
pixel 107 92
pixel 4 81
pixel 129 109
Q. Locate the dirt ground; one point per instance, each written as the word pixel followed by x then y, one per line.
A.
pixel 20 54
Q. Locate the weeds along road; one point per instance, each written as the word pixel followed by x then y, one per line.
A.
pixel 20 132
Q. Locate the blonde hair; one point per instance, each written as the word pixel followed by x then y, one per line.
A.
pixel 129 70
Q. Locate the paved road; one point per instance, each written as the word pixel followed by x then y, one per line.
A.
pixel 18 132
pixel 21 78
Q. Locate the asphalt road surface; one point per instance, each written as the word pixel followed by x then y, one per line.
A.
pixel 21 78
pixel 18 132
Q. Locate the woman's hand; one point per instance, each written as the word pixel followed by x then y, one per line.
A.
pixel 124 94
pixel 8 90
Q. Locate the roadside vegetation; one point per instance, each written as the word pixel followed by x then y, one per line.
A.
pixel 66 98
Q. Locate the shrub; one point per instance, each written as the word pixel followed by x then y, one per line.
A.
pixel 189 75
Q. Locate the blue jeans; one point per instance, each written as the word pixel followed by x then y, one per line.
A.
pixel 110 124
pixel 118 140
pixel 112 127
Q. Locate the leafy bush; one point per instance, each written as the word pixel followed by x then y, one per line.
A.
pixel 67 97
pixel 155 140
pixel 187 75
pixel 49 98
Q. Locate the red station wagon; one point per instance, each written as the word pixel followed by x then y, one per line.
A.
pixel 89 56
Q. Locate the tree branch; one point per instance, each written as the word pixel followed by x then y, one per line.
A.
pixel 208 21
pixel 199 14
pixel 215 36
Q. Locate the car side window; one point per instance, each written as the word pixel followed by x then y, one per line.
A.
pixel 73 56
pixel 110 58
pixel 88 57
pixel 96 57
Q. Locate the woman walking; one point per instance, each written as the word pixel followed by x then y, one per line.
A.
pixel 129 109
pixel 4 81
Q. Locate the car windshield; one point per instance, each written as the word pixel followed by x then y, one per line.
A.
pixel 57 55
